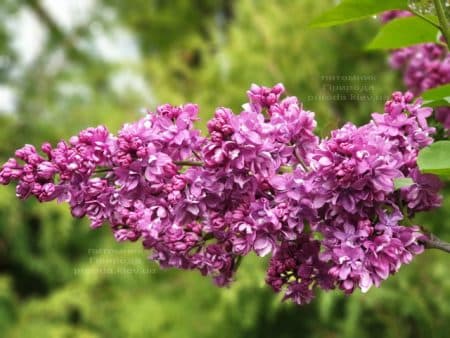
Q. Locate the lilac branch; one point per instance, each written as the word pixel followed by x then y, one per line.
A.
pixel 103 170
pixel 189 163
pixel 442 20
pixel 433 242
pixel 300 160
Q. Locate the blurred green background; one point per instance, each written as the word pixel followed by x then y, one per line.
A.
pixel 69 64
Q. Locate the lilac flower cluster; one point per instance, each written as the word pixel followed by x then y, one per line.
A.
pixel 424 66
pixel 348 197
pixel 261 181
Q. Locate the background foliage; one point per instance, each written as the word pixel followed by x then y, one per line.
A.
pixel 60 279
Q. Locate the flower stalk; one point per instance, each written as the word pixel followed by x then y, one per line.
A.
pixel 443 21
pixel 433 242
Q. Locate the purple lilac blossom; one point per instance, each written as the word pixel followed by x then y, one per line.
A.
pixel 394 14
pixel 424 66
pixel 260 181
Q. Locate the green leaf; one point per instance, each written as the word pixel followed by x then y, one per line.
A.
pixel 437 92
pixel 437 103
pixel 404 32
pixel 403 182
pixel 351 10
pixel 435 159
pixel 444 102
pixel 437 97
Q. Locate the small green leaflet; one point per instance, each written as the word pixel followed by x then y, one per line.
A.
pixel 403 182
pixel 435 159
pixel 404 32
pixel 437 97
pixel 351 10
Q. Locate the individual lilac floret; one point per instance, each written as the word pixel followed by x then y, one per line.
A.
pixel 297 269
pixel 35 177
pixel 285 216
pixel 390 15
pixel 11 171
pixel 423 195
pixel 261 97
pixel 294 127
pixel 217 261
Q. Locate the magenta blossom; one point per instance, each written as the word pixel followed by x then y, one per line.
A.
pixel 325 210
pixel 424 66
